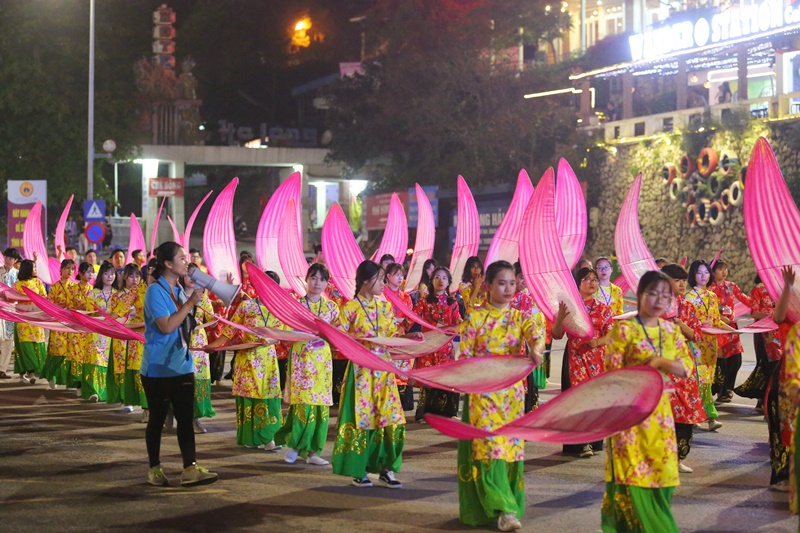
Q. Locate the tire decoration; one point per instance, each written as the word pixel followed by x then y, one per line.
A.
pixel 715 214
pixel 675 189
pixel 728 162
pixel 736 194
pixel 690 217
pixel 701 211
pixel 716 183
pixel 707 161
pixel 668 173
pixel 688 166
pixel 725 200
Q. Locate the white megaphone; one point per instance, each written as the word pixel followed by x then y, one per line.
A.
pixel 224 291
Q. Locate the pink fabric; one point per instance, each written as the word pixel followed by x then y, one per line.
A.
pixel 52 325
pixel 716 257
pixel 546 271
pixel 434 340
pixel 571 217
pixel 593 410
pixel 622 284
pixel 269 227
pixel 269 333
pixel 772 224
pixel 33 243
pixel 290 251
pixel 342 254
pixel 633 257
pixel 395 236
pixel 154 234
pixel 176 235
pixel 219 239
pixel 468 230
pixel 11 293
pixel 62 223
pixel 426 235
pixel 136 240
pixel 406 311
pixel 185 238
pixel 505 243
pixel 281 304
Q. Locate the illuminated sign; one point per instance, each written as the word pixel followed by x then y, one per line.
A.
pixel 733 23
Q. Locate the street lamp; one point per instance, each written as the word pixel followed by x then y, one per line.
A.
pixel 90 144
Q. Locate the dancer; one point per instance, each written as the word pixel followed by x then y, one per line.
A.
pixel 256 380
pixel 166 366
pixel 395 276
pixel 584 358
pixel 371 433
pixel 29 341
pixel 308 390
pixel 607 292
pixel 128 302
pixel 98 347
pixel 55 366
pixel 425 277
pixel 441 309
pixel 9 277
pixel 471 287
pixel 642 462
pixel 79 300
pixel 491 485
pixel 523 301
pixel 767 347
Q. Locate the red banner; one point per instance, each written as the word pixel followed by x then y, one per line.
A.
pixel 166 187
pixel 377 208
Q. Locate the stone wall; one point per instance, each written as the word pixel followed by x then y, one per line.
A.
pixel 611 173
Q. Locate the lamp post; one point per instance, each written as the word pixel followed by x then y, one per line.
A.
pixel 90 144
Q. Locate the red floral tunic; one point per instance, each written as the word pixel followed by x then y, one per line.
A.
pixel 438 313
pixel 586 362
pixel 687 405
pixel 762 303
pixel 727 293
pixel 403 326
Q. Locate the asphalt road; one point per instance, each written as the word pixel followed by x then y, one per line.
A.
pixel 68 465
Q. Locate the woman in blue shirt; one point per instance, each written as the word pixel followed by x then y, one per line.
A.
pixel 167 368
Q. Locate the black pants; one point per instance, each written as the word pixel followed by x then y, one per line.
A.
pixel 565 384
pixel 216 362
pixel 178 392
pixel 684 433
pixel 779 456
pixel 532 395
pixel 436 402
pixel 728 370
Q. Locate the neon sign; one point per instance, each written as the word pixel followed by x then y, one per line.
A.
pixel 731 24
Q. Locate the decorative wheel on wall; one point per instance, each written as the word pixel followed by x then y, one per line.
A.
pixel 728 162
pixel 707 161
pixel 736 193
pixel 716 183
pixel 687 166
pixel 668 173
pixel 715 214
pixel 675 189
pixel 701 210
pixel 690 216
pixel 725 200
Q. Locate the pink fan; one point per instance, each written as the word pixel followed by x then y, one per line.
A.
pixel 433 341
pixel 52 325
pixel 136 240
pixel 622 284
pixel 278 301
pixel 175 233
pixel 571 218
pixel 772 223
pixel 342 254
pixel 505 243
pixel 468 230
pixel 716 257
pixel 33 244
pixel 597 408
pixel 406 311
pixel 62 223
pixel 219 240
pixel 633 257
pixel 270 333
pixel 395 236
pixel 290 251
pixel 269 227
pixel 185 238
pixel 426 234
pixel 154 234
pixel 546 271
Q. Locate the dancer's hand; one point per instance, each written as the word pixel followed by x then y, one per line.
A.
pixel 787 271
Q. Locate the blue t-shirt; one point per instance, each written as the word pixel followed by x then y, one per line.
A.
pixel 164 354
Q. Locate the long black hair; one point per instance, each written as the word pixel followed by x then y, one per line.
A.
pixel 425 278
pixel 127 271
pixel 495 268
pixel 431 298
pixel 166 251
pixel 365 272
pixel 66 263
pixel 391 269
pixel 105 267
pixel 318 268
pixel 695 266
pixel 26 267
pixel 466 276
pixel 675 271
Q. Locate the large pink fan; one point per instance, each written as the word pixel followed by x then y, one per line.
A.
pixel 546 271
pixel 342 254
pixel 477 375
pixel 154 234
pixel 571 218
pixel 33 245
pixel 597 408
pixel 505 243
pixel 269 227
pixel 279 302
pixel 633 257
pixel 432 342
pixel 622 284
pixel 772 223
pixel 395 236
pixel 290 251
pixel 52 325
pixel 136 240
pixel 219 239
pixel 406 311
pixel 270 333
pixel 189 225
pixel 175 233
pixel 62 223
pixel 468 230
pixel 426 235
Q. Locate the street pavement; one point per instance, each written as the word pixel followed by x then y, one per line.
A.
pixel 68 465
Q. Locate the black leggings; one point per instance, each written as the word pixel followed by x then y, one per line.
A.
pixel 684 433
pixel 729 369
pixel 161 392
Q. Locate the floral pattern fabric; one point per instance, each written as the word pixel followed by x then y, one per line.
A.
pixel 706 307
pixel 311 369
pixel 727 293
pixel 465 289
pixel 687 405
pixel 612 297
pixel 26 332
pixel 10 279
pixel 403 325
pixel 60 342
pixel 203 312
pixel 439 313
pixel 98 346
pixel 584 361
pixel 761 302
pixel 130 303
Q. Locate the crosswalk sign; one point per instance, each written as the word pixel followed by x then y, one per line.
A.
pixel 94 210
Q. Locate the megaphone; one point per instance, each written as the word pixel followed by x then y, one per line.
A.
pixel 224 291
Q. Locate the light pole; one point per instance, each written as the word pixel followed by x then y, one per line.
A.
pixel 90 144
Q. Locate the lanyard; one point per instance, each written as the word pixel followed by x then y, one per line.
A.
pixel 319 308
pixel 366 313
pixel 103 294
pixel 702 300
pixel 269 313
pixel 652 344
pixel 606 297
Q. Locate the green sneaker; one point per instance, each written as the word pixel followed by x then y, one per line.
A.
pixel 197 475
pixel 156 477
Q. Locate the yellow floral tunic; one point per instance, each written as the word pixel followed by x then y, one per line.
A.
pixel 99 346
pixel 489 331
pixel 203 313
pixel 465 289
pixel 646 455
pixel 26 332
pixel 311 378
pixel 80 300
pixel 612 297
pixel 791 378
pixel 128 354
pixel 59 343
pixel 706 307
pixel 255 374
pixel 377 401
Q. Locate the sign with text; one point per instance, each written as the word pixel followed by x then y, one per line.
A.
pixel 166 187
pixel 377 209
pixel 22 196
pixel 490 213
pixel 430 192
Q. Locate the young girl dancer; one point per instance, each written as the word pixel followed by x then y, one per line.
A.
pixel 55 366
pixel 29 341
pixel 491 486
pixel 129 302
pixel 523 301
pixel 607 292
pixel 395 275
pixel 305 428
pixel 471 287
pixel 98 347
pixel 80 298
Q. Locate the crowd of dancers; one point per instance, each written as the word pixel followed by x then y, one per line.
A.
pixel 169 376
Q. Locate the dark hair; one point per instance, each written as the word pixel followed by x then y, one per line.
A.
pixel 318 268
pixel 66 263
pixel 11 252
pixel 495 268
pixel 189 268
pixel 719 264
pixel 517 268
pixel 166 251
pixel 128 271
pixel 675 271
pixel 89 251
pixel 136 253
pixel 118 250
pixel 466 276
pixel 582 273
pixel 392 268
pixel 26 270
pixel 649 280
pixel 386 257
pixel 365 272
pixel 274 275
pixel 317 248
pixel 245 255
pixel 660 260
pixel 194 251
pixel 431 296
pixel 693 268
pixel 83 269
pixel 602 258
pixel 105 267
pixel 70 249
pixel 757 279
pixel 425 278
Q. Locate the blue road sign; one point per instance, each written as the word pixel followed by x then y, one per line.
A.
pixel 94 210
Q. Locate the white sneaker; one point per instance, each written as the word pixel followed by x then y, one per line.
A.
pixel 683 469
pixel 316 460
pixel 290 457
pixel 713 425
pixel 197 475
pixel 78 393
pixel 198 427
pixel 23 378
pixel 145 416
pixel 156 477
pixel 128 408
pixel 51 385
pixel 585 452
pixel 780 486
pixel 94 398
pixel 508 522
pixel 270 447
